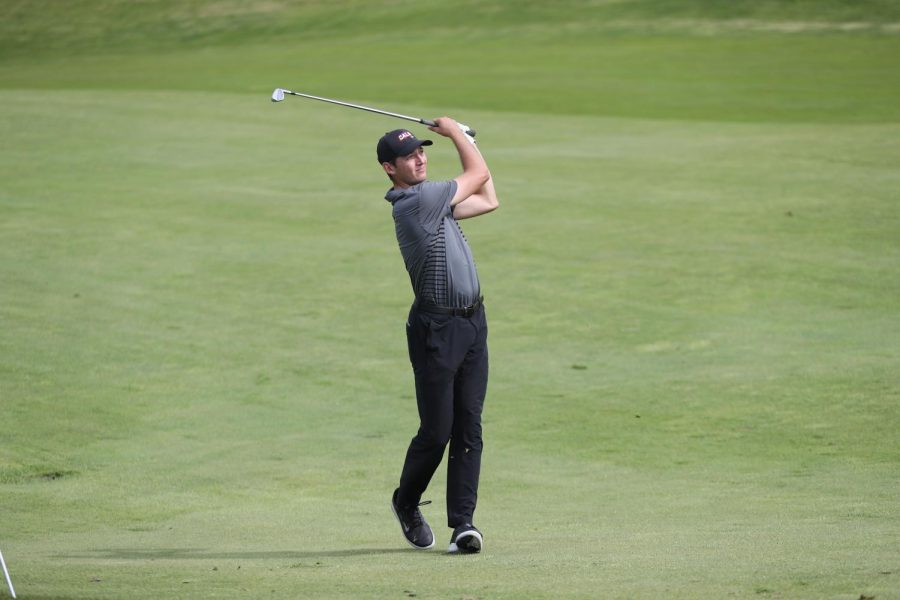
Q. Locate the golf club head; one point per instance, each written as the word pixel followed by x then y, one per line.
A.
pixel 278 95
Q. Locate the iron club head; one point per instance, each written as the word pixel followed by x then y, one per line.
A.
pixel 278 95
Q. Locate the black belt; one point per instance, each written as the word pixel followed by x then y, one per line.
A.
pixel 466 311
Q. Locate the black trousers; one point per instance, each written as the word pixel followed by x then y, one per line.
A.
pixel 449 357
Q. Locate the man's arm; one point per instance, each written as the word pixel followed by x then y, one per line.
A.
pixel 481 202
pixel 475 194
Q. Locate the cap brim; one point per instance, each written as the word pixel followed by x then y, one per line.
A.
pixel 410 146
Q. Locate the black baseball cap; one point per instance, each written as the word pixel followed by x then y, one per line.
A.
pixel 398 142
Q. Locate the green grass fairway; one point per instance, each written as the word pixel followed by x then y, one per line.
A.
pixel 693 288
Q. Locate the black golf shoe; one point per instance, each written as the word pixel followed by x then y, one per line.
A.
pixel 415 529
pixel 466 540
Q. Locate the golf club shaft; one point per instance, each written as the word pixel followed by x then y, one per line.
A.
pixel 12 592
pixel 427 122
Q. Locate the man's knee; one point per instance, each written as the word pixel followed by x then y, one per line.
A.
pixel 434 438
pixel 468 435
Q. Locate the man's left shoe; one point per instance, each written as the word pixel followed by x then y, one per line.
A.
pixel 466 539
pixel 415 528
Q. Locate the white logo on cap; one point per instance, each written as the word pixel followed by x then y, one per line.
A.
pixel 404 135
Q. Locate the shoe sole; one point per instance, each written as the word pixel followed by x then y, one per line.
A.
pixel 468 542
pixel 396 516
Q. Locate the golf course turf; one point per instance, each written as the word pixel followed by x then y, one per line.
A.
pixel 692 286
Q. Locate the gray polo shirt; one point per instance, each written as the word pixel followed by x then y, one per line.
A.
pixel 437 255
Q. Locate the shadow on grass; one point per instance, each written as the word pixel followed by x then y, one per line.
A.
pixel 201 554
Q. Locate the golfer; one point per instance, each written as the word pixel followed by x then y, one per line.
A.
pixel 446 330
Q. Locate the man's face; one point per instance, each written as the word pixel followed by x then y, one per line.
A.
pixel 408 170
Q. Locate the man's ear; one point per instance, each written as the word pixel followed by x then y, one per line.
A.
pixel 389 168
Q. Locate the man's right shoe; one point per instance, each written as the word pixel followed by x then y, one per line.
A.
pixel 415 529
pixel 466 539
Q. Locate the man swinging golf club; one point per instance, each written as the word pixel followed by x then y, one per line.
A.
pixel 446 329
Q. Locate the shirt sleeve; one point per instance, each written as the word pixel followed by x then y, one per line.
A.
pixel 434 203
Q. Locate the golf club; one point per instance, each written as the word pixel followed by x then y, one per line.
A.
pixel 12 592
pixel 278 96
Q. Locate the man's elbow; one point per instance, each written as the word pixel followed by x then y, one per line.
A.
pixel 490 204
pixel 490 194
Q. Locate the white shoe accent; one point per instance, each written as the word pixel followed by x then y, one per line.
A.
pixel 454 548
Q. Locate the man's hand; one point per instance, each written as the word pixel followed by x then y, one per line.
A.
pixel 465 129
pixel 446 127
